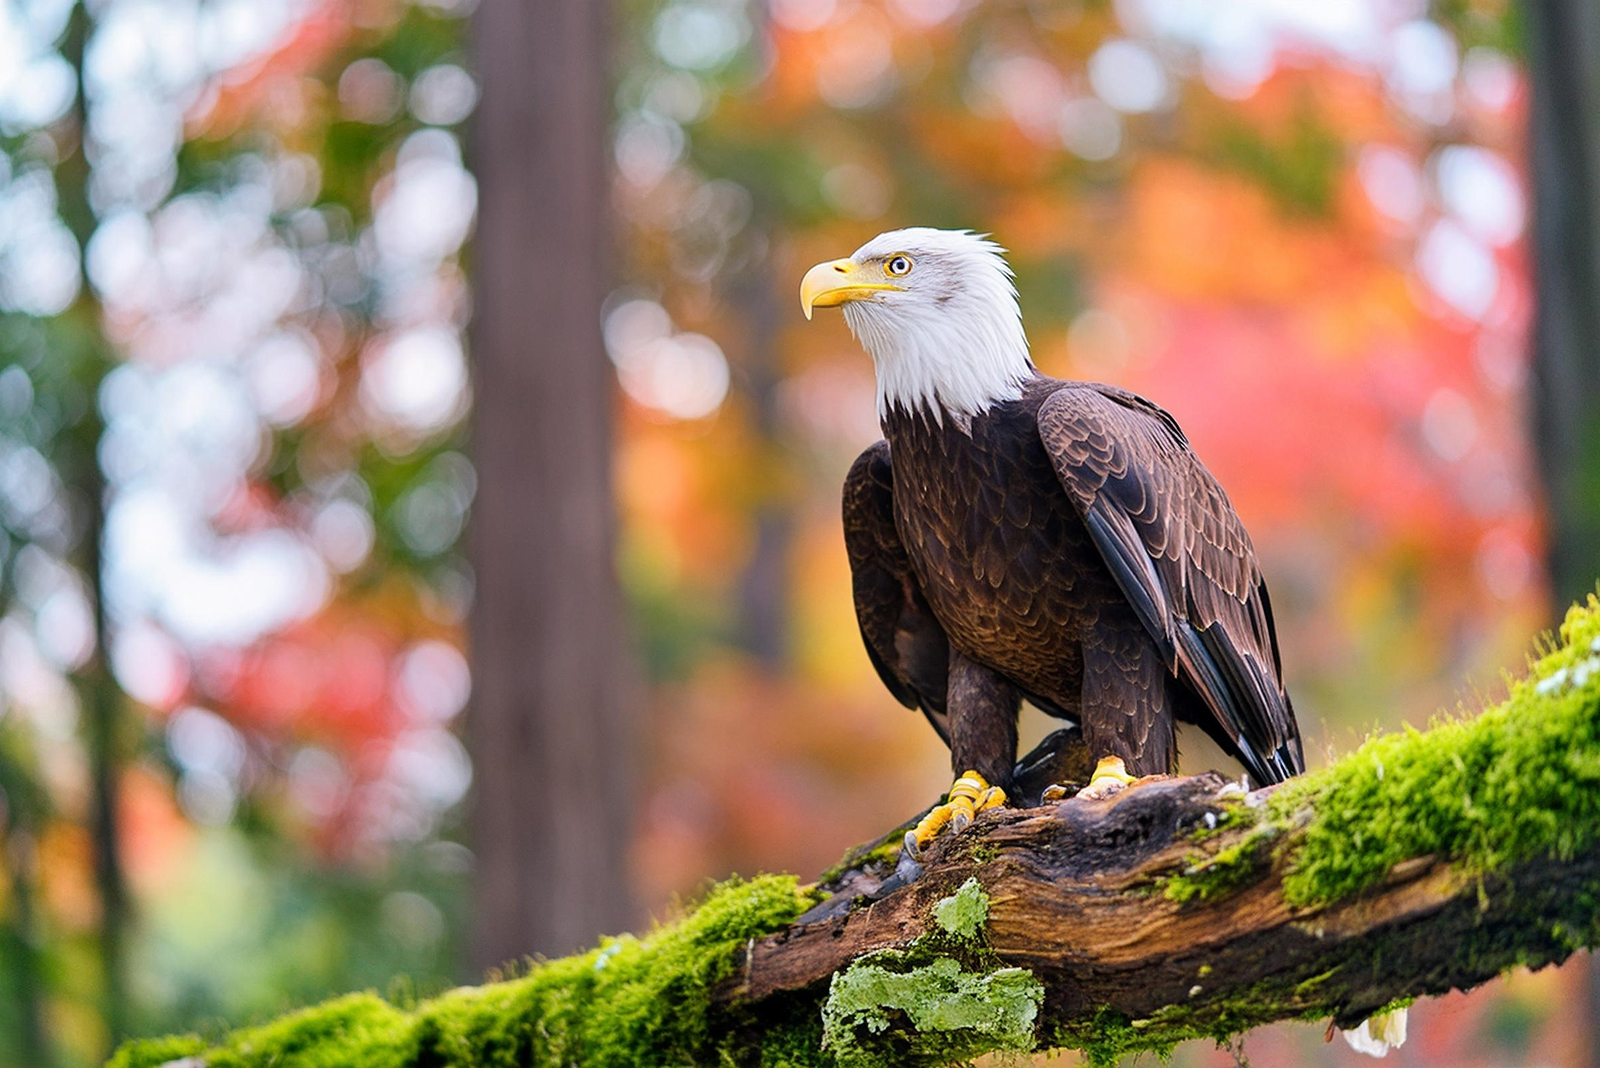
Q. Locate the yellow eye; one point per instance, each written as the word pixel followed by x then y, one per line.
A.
pixel 898 266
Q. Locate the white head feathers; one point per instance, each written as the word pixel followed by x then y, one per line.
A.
pixel 951 339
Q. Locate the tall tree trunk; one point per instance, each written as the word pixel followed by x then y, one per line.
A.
pixel 1564 62
pixel 102 698
pixel 549 726
pixel 764 586
pixel 1564 69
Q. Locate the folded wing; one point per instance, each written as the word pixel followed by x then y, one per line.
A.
pixel 904 641
pixel 1183 560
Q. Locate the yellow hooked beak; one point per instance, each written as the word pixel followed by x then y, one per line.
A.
pixel 833 283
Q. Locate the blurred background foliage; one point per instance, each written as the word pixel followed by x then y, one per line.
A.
pixel 233 392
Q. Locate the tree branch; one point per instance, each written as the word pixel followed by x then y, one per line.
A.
pixel 1422 862
pixel 1144 928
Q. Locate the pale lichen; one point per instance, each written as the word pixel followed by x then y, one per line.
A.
pixel 940 1000
pixel 944 1011
pixel 964 912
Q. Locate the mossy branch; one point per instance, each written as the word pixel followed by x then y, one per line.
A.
pixel 1424 861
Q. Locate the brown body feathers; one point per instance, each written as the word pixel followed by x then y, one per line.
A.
pixel 1066 547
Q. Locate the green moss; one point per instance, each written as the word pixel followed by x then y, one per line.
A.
pixel 1518 781
pixel 882 854
pixel 1506 785
pixel 1515 782
pixel 964 912
pixel 1234 813
pixel 1209 877
pixel 1108 1037
pixel 630 1001
pixel 355 1031
pixel 156 1051
pixel 984 852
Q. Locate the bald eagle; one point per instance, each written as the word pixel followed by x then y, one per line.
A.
pixel 1016 536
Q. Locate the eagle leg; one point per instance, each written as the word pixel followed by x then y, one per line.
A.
pixel 969 795
pixel 983 708
pixel 1110 777
pixel 1126 710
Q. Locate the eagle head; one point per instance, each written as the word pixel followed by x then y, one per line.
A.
pixel 937 312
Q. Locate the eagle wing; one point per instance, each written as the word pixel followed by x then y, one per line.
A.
pixel 1183 560
pixel 904 641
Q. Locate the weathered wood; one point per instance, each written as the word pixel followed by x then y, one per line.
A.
pixel 1078 895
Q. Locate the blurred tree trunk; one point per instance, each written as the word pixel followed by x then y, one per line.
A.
pixel 549 726
pixel 764 608
pixel 97 688
pixel 1564 61
pixel 764 586
pixel 1564 69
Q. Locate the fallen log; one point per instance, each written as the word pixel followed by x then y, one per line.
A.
pixel 1423 862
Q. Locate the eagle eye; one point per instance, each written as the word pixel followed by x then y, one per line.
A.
pixel 898 266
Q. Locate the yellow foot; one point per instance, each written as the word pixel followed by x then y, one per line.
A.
pixel 1110 777
pixel 969 795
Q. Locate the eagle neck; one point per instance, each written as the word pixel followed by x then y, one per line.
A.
pixel 953 366
pixel 925 433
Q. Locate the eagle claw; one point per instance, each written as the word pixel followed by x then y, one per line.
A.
pixel 1109 779
pixel 969 795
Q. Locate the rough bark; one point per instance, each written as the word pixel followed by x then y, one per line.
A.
pixel 1078 896
pixel 548 727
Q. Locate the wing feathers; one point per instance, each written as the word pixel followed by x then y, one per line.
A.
pixel 1118 542
pixel 1181 557
pixel 904 641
